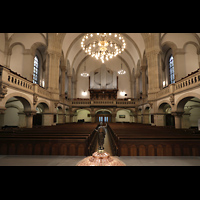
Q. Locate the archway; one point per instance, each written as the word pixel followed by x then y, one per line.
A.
pixel 165 118
pixel 83 115
pixel 18 112
pixel 42 117
pixel 123 115
pixel 189 107
pixel 103 115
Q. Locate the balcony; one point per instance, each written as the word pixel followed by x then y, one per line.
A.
pixel 99 103
pixel 12 80
pixel 187 83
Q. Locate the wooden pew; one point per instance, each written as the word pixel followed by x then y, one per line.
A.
pixel 142 140
pixel 49 141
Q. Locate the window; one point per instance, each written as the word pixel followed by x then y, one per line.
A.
pixel 35 70
pixel 171 70
pixel 105 119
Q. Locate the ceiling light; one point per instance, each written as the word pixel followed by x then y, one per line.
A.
pixel 103 46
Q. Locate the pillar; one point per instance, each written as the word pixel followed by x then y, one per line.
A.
pixel 69 86
pixel 178 118
pixel 153 73
pixel 22 119
pixel 144 91
pixel 29 118
pixel 92 113
pixel 47 119
pixel 62 92
pixel 53 73
pixel 159 119
pixel 137 76
pixel 2 112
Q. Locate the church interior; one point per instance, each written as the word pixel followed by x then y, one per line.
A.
pixel 55 88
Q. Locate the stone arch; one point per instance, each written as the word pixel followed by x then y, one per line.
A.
pixel 165 117
pixel 180 102
pixel 123 115
pixel 27 103
pixel 83 115
pixel 163 105
pixel 21 114
pixel 45 105
pixel 188 107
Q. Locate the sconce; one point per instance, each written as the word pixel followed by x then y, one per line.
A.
pixel 84 93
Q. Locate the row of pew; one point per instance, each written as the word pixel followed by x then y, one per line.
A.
pixel 65 139
pixel 146 140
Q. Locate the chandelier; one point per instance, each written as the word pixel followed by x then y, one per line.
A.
pixel 103 46
pixel 84 74
pixel 121 72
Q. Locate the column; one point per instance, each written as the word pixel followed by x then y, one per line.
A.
pixel 144 91
pixel 137 76
pixel 153 72
pixel 159 119
pixel 92 113
pixel 22 119
pixel 2 112
pixel 53 73
pixel 185 121
pixel 178 117
pixel 69 93
pixel 47 119
pixel 62 92
pixel 74 83
pixel 29 118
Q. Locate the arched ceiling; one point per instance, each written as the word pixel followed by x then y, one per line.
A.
pixel 72 51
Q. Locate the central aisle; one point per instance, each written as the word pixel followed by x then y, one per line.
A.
pixel 107 147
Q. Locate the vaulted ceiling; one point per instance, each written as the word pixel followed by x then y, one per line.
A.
pixel 74 54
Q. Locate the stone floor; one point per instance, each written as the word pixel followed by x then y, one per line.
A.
pixel 8 160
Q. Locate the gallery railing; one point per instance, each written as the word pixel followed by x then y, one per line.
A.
pixel 10 79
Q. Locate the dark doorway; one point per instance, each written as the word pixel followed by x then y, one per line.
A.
pixel 37 120
pixel 170 120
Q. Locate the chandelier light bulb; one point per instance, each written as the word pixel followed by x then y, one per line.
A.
pixel 103 46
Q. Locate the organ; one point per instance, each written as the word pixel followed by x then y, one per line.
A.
pixel 103 84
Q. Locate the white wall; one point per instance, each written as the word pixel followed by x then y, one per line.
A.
pixel 16 60
pixel 194 117
pixel 11 117
pixel 83 114
pixel 191 58
pixel 123 112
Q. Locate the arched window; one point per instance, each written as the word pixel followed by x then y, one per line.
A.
pixel 171 70
pixel 35 70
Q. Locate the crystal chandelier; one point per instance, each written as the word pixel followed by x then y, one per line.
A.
pixel 121 72
pixel 84 74
pixel 103 46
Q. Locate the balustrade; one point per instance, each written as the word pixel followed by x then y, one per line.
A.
pixel 14 80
